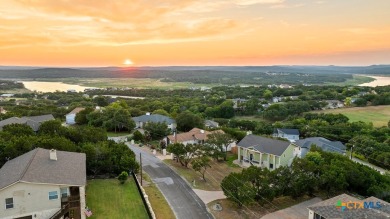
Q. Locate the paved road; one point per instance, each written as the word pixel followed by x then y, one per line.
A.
pixel 381 170
pixel 182 199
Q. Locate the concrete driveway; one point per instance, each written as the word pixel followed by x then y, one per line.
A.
pixel 180 196
pixel 298 211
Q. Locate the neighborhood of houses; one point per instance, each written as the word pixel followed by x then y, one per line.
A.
pixel 51 184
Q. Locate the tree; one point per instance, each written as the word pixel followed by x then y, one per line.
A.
pixel 267 94
pixel 123 177
pixel 260 179
pixel 221 141
pixel 161 112
pixel 184 153
pixel 18 129
pixel 157 130
pixel 237 189
pixel 138 136
pixel 101 101
pixel 81 117
pixel 333 179
pixel 187 121
pixel 201 164
pixel 117 119
pixel 51 127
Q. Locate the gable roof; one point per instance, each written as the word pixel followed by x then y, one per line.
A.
pixel 264 145
pixel 36 167
pixel 211 123
pixel 154 118
pixel 328 208
pixel 33 121
pixel 323 143
pixel 289 131
pixel 76 110
pixel 193 134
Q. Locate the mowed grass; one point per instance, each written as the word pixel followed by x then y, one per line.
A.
pixel 107 198
pixel 378 115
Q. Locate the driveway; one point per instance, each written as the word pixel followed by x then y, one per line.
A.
pixel 298 211
pixel 180 196
pixel 381 170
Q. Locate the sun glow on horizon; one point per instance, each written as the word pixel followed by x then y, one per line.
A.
pixel 128 62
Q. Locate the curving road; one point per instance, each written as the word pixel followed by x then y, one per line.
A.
pixel 180 196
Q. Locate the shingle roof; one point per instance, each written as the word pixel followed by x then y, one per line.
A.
pixel 36 167
pixel 33 121
pixel 289 131
pixel 76 110
pixel 211 123
pixel 265 145
pixel 328 208
pixel 323 143
pixel 154 118
pixel 194 134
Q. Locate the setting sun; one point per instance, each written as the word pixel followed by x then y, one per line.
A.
pixel 128 62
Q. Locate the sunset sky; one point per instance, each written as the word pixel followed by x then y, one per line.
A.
pixel 194 32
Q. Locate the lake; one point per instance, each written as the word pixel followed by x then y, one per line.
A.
pixel 379 81
pixel 42 86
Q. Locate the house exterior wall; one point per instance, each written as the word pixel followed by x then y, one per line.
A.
pixel 287 155
pixel 287 136
pixel 71 119
pixel 262 160
pixel 30 199
pixel 299 152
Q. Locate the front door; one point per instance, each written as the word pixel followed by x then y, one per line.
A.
pixel 250 157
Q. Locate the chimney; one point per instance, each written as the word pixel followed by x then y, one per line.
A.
pixel 202 131
pixel 148 114
pixel 53 154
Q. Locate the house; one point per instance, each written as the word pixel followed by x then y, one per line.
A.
pixel 289 134
pixel 334 104
pixel 346 206
pixel 194 136
pixel 285 86
pixel 211 124
pixel 2 110
pixel 303 146
pixel 7 95
pixel 33 121
pixel 264 152
pixel 71 117
pixel 238 102
pixel 44 184
pixel 140 121
pixel 277 99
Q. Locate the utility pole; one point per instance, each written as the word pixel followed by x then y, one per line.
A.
pixel 352 150
pixel 140 160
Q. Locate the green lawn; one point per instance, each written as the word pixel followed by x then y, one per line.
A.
pixel 107 198
pixel 251 118
pixel 378 115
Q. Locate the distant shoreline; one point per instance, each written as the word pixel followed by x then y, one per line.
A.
pixel 378 81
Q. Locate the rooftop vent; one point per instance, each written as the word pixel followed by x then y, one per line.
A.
pixel 53 154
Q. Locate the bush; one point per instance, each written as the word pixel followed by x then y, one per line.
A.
pixel 123 177
pixel 138 136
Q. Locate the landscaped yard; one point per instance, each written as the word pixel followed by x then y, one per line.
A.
pixel 107 198
pixel 214 175
pixel 378 115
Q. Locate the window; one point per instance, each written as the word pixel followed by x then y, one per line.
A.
pixel 271 166
pixel 317 216
pixel 9 203
pixel 53 195
pixel 64 192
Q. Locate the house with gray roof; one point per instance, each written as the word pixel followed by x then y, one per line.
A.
pixel 289 134
pixel 44 184
pixel 264 152
pixel 211 124
pixel 140 121
pixel 346 206
pixel 33 121
pixel 302 147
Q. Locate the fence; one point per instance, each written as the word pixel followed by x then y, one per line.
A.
pixel 144 197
